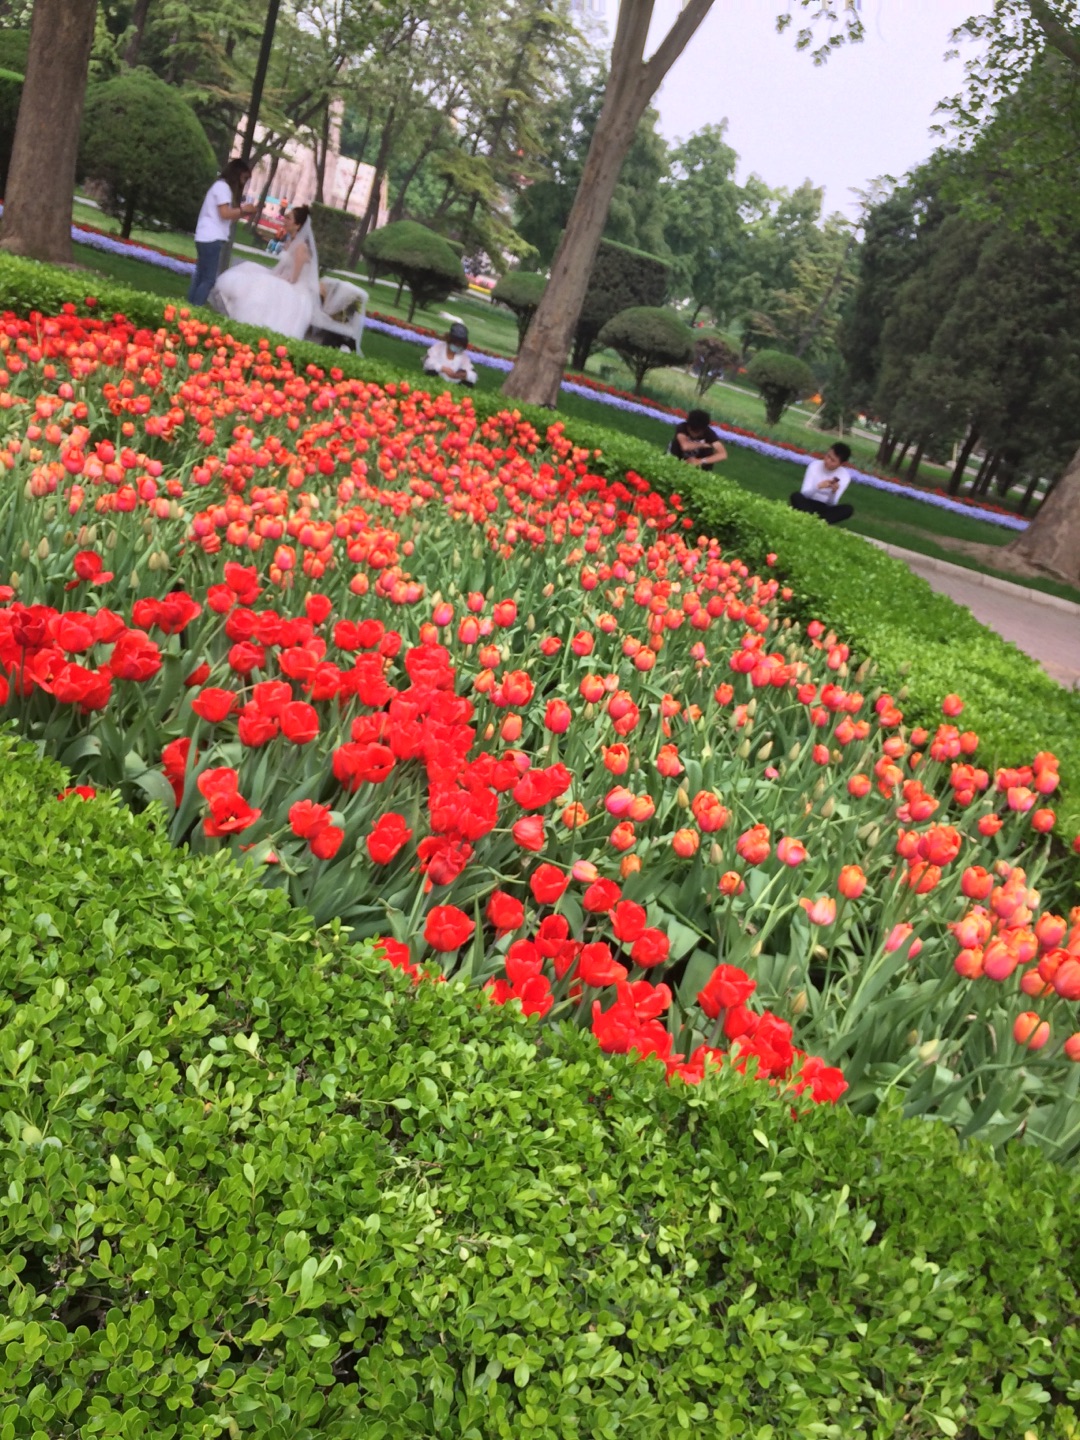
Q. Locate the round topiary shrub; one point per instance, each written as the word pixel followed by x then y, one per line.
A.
pixel 645 337
pixel 145 144
pixel 520 291
pixel 780 380
pixel 423 261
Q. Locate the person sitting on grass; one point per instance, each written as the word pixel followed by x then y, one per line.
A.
pixel 696 442
pixel 449 358
pixel 823 484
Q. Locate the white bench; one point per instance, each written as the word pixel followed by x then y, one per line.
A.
pixel 338 296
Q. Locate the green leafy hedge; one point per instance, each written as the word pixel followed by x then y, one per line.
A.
pixel 256 1183
pixel 923 643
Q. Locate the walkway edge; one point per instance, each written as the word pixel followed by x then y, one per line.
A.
pixel 915 560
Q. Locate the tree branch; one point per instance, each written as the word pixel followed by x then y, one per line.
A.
pixel 674 42
pixel 1065 41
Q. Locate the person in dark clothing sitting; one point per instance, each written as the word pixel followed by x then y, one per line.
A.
pixel 696 442
pixel 823 484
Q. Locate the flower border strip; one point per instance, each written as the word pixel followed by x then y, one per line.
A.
pixel 762 447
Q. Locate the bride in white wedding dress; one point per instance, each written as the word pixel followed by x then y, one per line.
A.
pixel 283 299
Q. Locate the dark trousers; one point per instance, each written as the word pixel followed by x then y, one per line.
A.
pixel 207 260
pixel 831 514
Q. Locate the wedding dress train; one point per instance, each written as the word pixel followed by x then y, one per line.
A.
pixel 271 299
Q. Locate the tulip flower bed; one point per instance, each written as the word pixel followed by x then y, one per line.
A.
pixel 445 683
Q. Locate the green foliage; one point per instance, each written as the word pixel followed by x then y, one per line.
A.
pixel 420 259
pixel 781 379
pixel 253 1176
pixel 333 235
pixel 702 224
pixel 146 146
pixel 712 356
pixel 645 337
pixel 923 643
pixel 14 45
pixel 621 278
pixel 520 291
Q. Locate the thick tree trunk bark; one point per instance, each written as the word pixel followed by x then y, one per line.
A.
pixel 41 180
pixel 986 469
pixel 1052 540
pixel 904 448
pixel 632 82
pixel 886 449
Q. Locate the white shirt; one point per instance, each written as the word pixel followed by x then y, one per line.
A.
pixel 211 226
pixel 438 356
pixel 817 477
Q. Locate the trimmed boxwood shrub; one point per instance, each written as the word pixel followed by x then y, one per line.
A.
pixel 334 230
pixel 130 125
pixel 923 644
pixel 520 291
pixel 256 1182
pixel 780 379
pixel 645 337
pixel 621 277
pixel 420 259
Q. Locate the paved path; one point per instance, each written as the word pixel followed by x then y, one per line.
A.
pixel 1044 626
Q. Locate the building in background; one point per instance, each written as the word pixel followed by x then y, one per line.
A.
pixel 293 176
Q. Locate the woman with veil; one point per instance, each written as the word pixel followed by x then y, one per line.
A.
pixel 283 299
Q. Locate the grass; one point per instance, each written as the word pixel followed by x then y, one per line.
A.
pixel 879 515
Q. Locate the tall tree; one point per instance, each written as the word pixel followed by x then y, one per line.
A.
pixel 41 178
pixel 1019 116
pixel 702 223
pixel 632 82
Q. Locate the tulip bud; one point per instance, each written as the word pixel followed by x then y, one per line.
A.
pixel 842 670
pixel 548 591
pixel 706 752
pixel 153 564
pixel 799 1004
pixel 489 730
pixel 765 751
pixel 28 491
pixel 13 579
pixel 530 623
pixel 913 1037
pixel 755 952
pixel 794 752
pixel 24 550
pixel 716 854
pixel 176 510
pixel 904 692
pixel 820 788
pixel 111 539
pixel 743 751
pixel 929 1051
pixel 455 559
pixel 682 798
pixel 134 580
pixel 751 706
pixel 50 514
pixel 148 529
pixel 828 808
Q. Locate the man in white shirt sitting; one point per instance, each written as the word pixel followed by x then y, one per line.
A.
pixel 823 484
pixel 449 358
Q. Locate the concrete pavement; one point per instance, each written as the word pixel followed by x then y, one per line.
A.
pixel 1044 626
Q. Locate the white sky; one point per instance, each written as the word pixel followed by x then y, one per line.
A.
pixel 865 113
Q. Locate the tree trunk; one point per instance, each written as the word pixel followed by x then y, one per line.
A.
pixel 989 460
pixel 41 179
pixel 370 218
pixel 632 82
pixel 320 158
pixel 885 449
pixel 138 21
pixel 129 217
pixel 1052 540
pixel 900 458
pixel 916 460
pixel 960 468
pixel 1029 493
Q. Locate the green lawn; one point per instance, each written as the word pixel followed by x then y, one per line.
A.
pixel 878 514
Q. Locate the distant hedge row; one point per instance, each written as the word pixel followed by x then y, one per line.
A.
pixel 923 643
pixel 256 1183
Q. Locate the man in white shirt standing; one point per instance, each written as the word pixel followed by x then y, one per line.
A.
pixel 220 207
pixel 449 358
pixel 823 484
